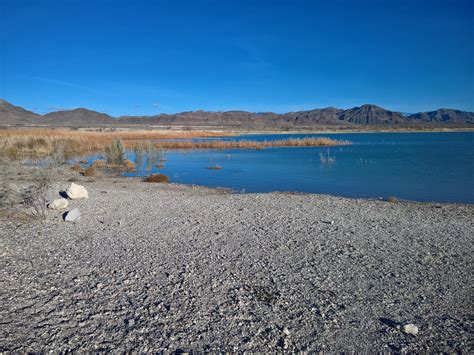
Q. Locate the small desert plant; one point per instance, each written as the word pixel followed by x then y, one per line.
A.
pixel 90 171
pixel 31 201
pixel 76 167
pixel 153 155
pixel 138 150
pixel 392 199
pixel 58 155
pixel 35 199
pixel 115 152
pixel 98 163
pixel 157 178
pixel 150 148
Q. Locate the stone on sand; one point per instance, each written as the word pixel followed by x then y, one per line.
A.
pixel 75 191
pixel 58 204
pixel 73 215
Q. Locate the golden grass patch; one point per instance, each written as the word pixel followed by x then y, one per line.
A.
pixel 157 178
pixel 38 142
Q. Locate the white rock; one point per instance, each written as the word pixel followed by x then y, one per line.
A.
pixel 58 204
pixel 75 191
pixel 409 329
pixel 73 215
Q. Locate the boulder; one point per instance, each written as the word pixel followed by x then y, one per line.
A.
pixel 58 204
pixel 75 191
pixel 73 215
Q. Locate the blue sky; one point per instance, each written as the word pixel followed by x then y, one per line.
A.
pixel 147 57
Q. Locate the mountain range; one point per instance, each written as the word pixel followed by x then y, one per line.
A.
pixel 365 115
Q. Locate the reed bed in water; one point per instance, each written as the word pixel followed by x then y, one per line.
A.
pixel 37 142
pixel 17 142
pixel 251 144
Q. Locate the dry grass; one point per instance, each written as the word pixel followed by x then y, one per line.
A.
pixel 90 171
pixel 17 142
pixel 76 167
pixel 99 163
pixel 36 142
pixel 157 178
pixel 250 144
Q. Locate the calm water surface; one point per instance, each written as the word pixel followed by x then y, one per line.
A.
pixel 414 166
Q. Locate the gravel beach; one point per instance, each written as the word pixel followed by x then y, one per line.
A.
pixel 157 267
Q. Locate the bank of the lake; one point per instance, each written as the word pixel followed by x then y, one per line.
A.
pixel 153 267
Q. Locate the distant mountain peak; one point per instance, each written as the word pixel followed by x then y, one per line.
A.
pixel 15 115
pixel 364 115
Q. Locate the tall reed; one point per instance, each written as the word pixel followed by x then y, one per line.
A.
pixel 251 144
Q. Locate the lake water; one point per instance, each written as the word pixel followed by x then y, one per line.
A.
pixel 414 166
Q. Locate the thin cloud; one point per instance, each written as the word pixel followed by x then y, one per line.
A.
pixel 156 104
pixel 56 108
pixel 62 83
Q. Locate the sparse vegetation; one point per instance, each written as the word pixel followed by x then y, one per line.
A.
pixel 392 199
pixel 138 149
pixel 27 202
pixel 157 178
pixel 115 153
pixel 327 158
pixel 76 167
pixel 90 171
pixel 99 163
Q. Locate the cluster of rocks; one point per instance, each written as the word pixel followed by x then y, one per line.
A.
pixel 73 192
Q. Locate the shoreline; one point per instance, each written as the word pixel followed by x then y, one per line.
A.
pixel 230 130
pixel 370 131
pixel 174 267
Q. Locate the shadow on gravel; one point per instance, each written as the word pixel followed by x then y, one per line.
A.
pixel 389 322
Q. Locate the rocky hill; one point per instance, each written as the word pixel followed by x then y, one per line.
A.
pixel 79 116
pixel 14 115
pixel 444 115
pixel 365 115
pixel 371 115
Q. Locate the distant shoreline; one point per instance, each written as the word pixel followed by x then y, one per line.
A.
pixel 447 130
pixel 241 131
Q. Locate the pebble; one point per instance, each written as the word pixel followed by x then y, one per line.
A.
pixel 73 215
pixel 75 191
pixel 58 204
pixel 409 329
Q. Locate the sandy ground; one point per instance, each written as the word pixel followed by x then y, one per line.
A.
pixel 153 267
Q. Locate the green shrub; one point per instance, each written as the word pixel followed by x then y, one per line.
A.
pixel 115 153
